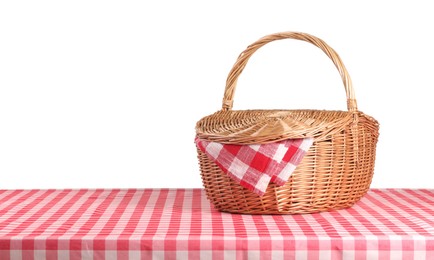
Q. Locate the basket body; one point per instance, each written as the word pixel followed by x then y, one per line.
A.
pixel 336 171
pixel 334 174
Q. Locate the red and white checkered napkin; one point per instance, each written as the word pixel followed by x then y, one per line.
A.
pixel 254 166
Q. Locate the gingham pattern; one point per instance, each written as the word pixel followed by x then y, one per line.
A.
pixel 254 166
pixel 181 224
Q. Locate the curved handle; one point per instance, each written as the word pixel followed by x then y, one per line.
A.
pixel 244 57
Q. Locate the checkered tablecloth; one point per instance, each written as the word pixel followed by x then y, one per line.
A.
pixel 181 224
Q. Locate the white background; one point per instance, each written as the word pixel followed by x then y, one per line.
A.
pixel 107 93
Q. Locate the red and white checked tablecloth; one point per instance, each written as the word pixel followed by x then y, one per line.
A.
pixel 181 224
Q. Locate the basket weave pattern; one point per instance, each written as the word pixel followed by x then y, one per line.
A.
pixel 334 174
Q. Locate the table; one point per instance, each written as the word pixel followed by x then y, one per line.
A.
pixel 181 224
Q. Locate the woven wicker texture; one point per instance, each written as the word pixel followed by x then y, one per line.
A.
pixel 334 174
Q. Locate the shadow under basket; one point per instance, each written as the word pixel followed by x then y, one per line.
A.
pixel 336 171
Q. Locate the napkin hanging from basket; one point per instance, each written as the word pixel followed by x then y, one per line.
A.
pixel 254 166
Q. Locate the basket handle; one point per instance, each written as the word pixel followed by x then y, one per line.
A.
pixel 244 57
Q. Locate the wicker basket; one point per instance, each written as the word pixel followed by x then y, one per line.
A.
pixel 334 174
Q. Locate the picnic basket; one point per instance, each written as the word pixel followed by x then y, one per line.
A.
pixel 334 174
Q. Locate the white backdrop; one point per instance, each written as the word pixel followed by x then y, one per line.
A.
pixel 107 93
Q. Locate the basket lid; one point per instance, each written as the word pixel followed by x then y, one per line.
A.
pixel 265 126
